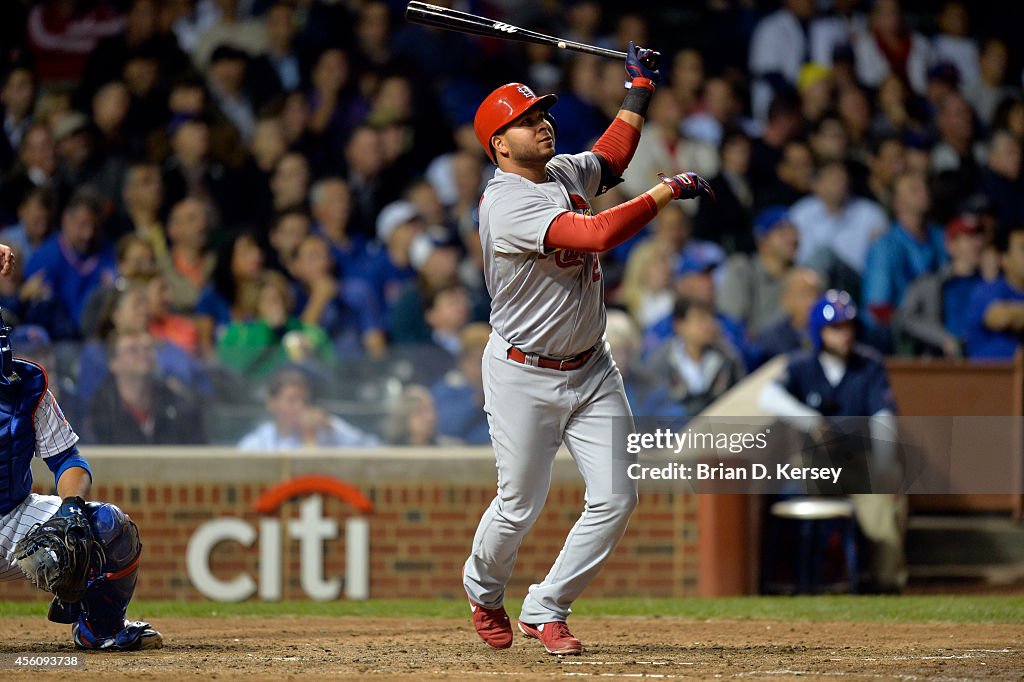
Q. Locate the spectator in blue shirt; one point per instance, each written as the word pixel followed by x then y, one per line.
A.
pixel 77 259
pixel 460 392
pixel 911 248
pixel 995 319
pixel 935 311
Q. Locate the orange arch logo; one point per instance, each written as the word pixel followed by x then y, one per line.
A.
pixel 311 528
pixel 271 500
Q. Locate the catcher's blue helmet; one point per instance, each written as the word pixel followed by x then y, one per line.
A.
pixel 835 307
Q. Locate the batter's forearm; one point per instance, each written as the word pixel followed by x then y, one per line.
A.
pixel 606 230
pixel 618 143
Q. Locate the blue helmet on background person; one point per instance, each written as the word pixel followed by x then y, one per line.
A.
pixel 834 307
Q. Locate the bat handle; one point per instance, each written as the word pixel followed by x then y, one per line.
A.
pixel 591 49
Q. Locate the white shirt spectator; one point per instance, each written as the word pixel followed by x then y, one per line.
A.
pixel 872 67
pixel 338 433
pixel 848 234
pixel 831 31
pixel 961 53
pixel 779 45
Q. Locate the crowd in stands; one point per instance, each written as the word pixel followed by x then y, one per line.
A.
pixel 228 208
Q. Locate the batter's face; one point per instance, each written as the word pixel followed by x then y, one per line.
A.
pixel 528 139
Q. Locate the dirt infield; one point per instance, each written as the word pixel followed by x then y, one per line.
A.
pixel 660 648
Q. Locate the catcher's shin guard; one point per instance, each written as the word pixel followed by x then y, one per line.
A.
pixel 101 623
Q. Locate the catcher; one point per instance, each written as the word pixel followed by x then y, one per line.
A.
pixel 85 553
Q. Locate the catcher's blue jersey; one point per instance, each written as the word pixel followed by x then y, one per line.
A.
pixel 31 424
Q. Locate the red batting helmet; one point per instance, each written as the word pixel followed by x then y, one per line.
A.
pixel 503 106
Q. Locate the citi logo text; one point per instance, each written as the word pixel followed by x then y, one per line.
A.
pixel 311 529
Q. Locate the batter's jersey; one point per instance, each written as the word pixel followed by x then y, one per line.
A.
pixel 548 303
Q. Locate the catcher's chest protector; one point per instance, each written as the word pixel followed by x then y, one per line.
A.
pixel 17 433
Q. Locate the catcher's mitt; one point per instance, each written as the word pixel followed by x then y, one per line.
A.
pixel 56 555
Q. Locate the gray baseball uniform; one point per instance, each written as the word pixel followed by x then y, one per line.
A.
pixel 549 305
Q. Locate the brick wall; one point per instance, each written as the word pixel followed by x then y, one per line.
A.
pixel 420 532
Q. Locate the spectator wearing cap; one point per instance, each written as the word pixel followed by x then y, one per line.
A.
pixel 387 266
pixel 1001 179
pixel 345 308
pixel 695 364
pixel 33 343
pixel 787 330
pixel 77 259
pixel 226 79
pixel 461 391
pixel 750 286
pixel 887 46
pixel 934 312
pixel 836 229
pixel 728 220
pixel 912 247
pixel 695 278
pixel 995 322
pixel 79 159
pixel 953 43
pixel 817 89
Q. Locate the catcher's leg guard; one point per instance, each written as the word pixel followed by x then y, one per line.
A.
pixel 101 623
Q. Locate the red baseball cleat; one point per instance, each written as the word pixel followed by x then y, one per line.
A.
pixel 492 625
pixel 555 637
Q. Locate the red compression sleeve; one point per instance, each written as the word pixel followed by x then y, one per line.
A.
pixel 606 230
pixel 617 145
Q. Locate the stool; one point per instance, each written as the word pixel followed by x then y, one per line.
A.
pixel 815 517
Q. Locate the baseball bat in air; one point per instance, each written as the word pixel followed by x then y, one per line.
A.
pixel 463 22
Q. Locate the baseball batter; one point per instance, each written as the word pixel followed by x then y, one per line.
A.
pixel 86 553
pixel 548 375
